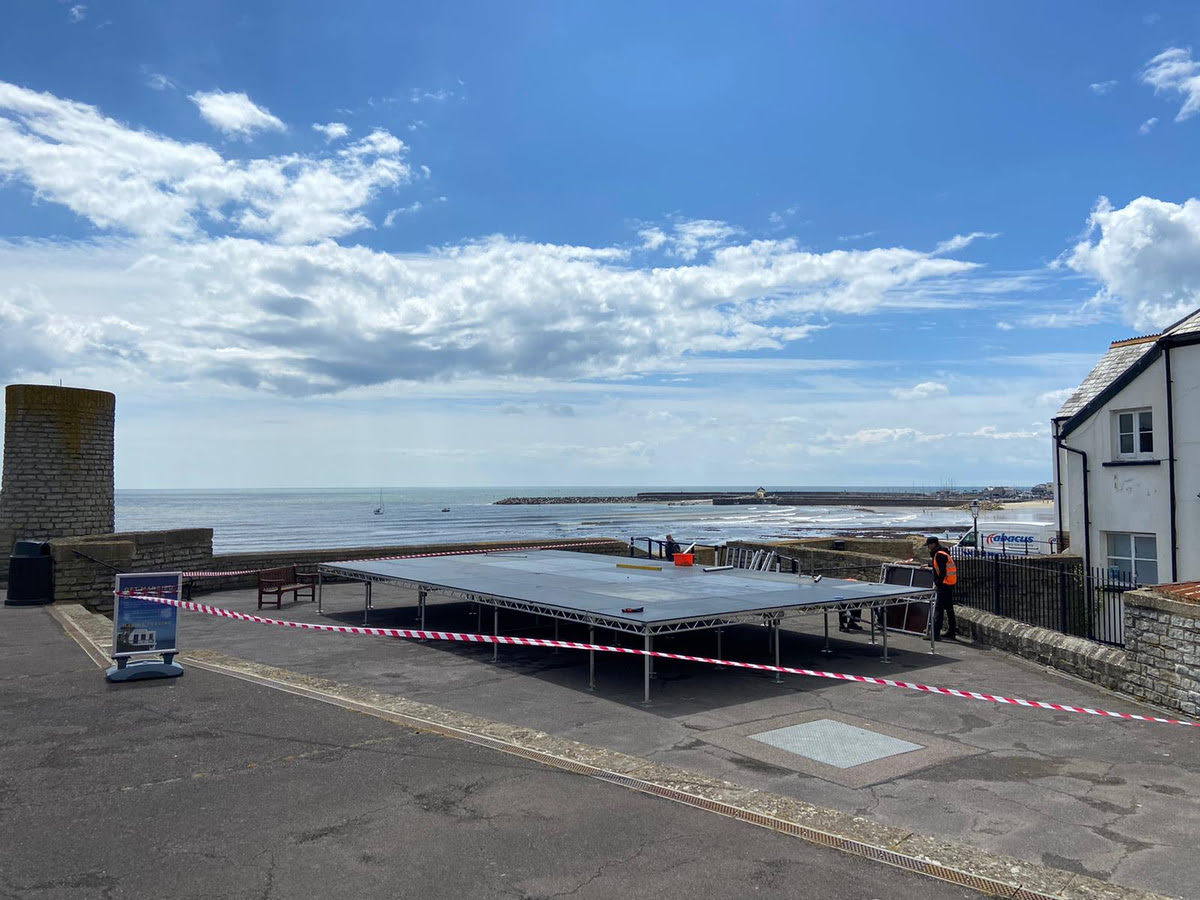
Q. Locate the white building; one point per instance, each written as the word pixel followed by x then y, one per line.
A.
pixel 1127 458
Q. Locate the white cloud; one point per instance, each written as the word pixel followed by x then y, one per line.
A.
pixel 1055 399
pixel 78 12
pixel 1146 126
pixel 417 95
pixel 698 235
pixel 881 435
pixel 1146 257
pixel 145 184
pixel 159 82
pixel 652 238
pixel 959 241
pixel 991 432
pixel 333 131
pixel 230 267
pixel 1175 70
pixel 688 238
pixel 234 114
pixel 1102 87
pixel 305 319
pixel 921 391
pixel 779 218
pixel 390 219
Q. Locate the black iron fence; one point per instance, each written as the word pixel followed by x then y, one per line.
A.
pixel 1059 595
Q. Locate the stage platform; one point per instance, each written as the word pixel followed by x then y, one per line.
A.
pixel 625 594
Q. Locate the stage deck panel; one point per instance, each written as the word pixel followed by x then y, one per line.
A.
pixel 602 586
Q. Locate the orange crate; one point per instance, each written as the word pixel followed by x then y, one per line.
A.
pixel 684 559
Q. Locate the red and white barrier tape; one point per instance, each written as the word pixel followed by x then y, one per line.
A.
pixel 413 633
pixel 572 546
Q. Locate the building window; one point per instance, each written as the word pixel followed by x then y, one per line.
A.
pixel 1133 556
pixel 1134 433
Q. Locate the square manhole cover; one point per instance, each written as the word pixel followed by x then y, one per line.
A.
pixel 835 743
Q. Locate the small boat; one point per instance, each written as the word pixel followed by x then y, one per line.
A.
pixel 445 509
pixel 379 508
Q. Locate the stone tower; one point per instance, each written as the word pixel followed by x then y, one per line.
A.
pixel 58 463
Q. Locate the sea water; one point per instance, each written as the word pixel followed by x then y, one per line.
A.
pixel 248 520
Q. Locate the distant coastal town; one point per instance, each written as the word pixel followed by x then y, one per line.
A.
pixel 949 499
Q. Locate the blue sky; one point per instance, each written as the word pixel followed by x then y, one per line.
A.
pixel 801 243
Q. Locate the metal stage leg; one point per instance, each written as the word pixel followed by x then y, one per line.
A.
pixel 496 632
pixel 591 658
pixel 366 601
pixel 932 622
pixel 320 584
pixel 885 656
pixel 720 632
pixel 872 613
pixel 556 635
pixel 421 608
pixel 778 675
pixel 826 649
pixel 649 645
pixel 478 618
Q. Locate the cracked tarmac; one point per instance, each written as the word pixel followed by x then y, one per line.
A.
pixel 210 786
pixel 1112 800
pixel 1109 798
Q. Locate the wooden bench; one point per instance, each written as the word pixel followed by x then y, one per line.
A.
pixel 284 580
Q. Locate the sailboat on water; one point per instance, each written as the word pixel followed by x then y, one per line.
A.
pixel 379 508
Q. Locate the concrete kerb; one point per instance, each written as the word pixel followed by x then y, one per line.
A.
pixel 991 874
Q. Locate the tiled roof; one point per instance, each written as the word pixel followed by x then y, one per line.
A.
pixel 1117 361
pixel 1187 591
pixel 1120 356
pixel 1187 325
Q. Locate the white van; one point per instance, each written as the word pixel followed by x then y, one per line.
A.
pixel 1011 539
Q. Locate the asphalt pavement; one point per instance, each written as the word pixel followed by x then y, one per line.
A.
pixel 210 786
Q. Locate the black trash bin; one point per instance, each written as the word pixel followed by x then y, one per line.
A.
pixel 838 545
pixel 30 574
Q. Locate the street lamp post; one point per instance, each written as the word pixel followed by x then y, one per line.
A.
pixel 975 526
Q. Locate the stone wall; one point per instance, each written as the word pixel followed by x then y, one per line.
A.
pixel 1162 640
pixel 815 559
pixel 58 463
pixel 1104 665
pixel 1160 664
pixel 309 559
pixel 84 567
pixel 897 548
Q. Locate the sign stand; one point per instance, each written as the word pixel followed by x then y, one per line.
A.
pixel 143 626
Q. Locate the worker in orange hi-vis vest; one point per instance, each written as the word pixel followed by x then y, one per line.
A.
pixel 945 576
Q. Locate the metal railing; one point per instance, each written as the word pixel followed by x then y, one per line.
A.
pixel 656 548
pixel 1061 596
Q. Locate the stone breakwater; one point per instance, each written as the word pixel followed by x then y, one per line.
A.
pixel 546 501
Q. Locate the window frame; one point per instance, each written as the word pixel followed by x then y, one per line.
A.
pixel 1138 436
pixel 1131 568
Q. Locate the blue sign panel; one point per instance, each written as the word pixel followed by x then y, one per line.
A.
pixel 143 626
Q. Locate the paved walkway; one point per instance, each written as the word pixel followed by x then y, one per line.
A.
pixel 208 786
pixel 1107 799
